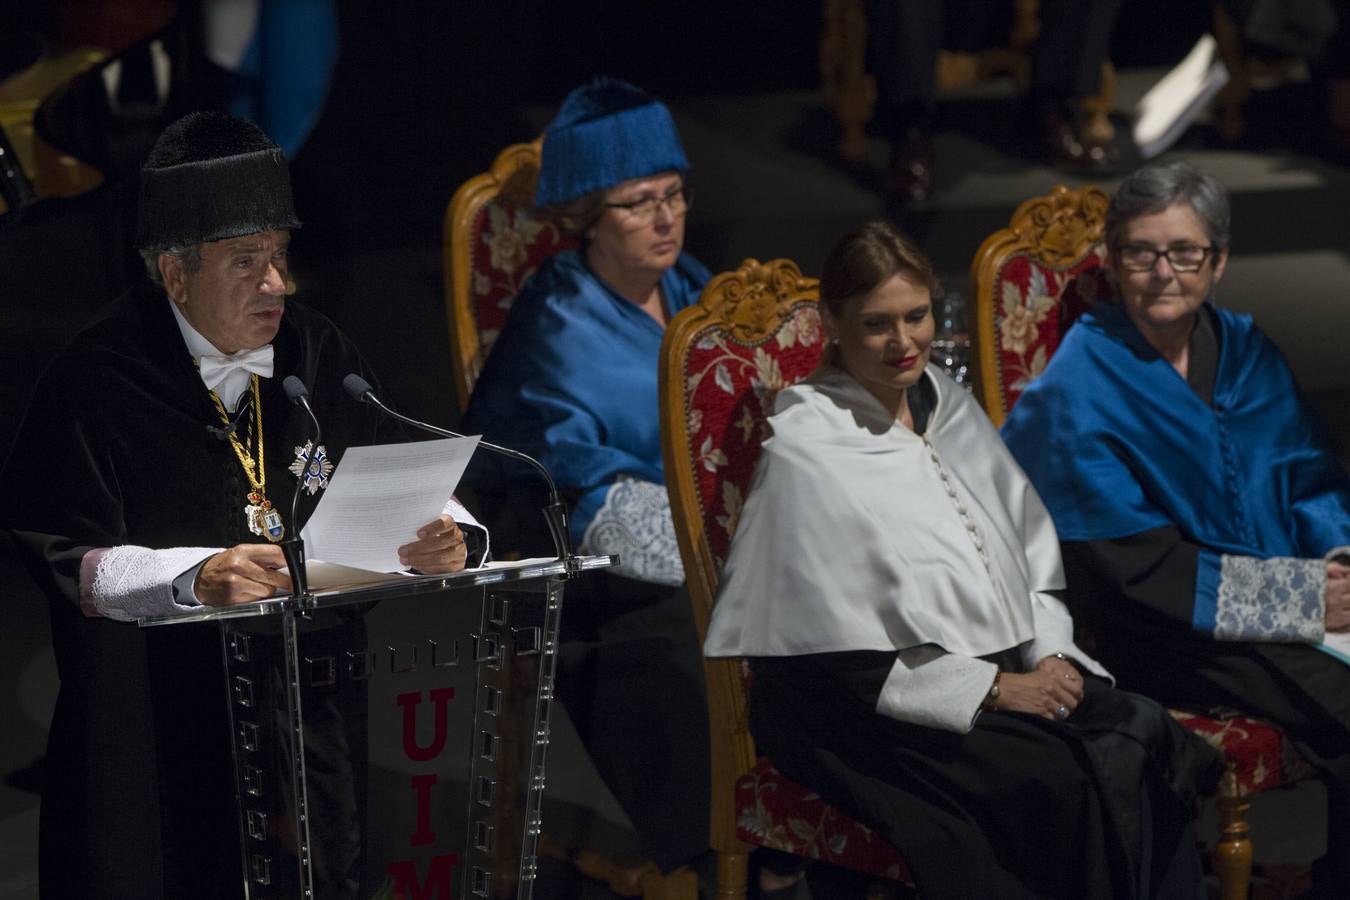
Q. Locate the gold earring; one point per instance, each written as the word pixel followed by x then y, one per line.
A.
pixel 291 286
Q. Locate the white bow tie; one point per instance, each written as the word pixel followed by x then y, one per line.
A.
pixel 214 369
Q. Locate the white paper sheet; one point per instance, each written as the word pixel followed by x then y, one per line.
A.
pixel 379 496
pixel 1337 643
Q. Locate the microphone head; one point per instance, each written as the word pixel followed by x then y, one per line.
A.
pixel 358 387
pixel 294 388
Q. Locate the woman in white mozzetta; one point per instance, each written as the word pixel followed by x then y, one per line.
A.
pixel 893 580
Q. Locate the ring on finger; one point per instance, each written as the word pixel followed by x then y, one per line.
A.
pixel 1062 712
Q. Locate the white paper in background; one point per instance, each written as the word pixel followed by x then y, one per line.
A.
pixel 379 496
pixel 1169 107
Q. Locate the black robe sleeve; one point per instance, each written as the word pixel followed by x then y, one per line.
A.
pixel 1150 574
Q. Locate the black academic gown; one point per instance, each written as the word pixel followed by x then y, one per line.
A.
pixel 115 449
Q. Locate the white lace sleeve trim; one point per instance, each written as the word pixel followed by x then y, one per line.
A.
pixel 634 522
pixel 1280 599
pixel 128 583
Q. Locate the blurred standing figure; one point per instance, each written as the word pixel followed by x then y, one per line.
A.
pixel 904 39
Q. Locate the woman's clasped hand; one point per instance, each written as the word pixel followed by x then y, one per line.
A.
pixel 1052 690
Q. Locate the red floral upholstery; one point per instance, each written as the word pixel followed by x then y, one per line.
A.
pixel 509 243
pixel 493 242
pixel 1259 754
pixel 1036 305
pixel 730 387
pixel 782 815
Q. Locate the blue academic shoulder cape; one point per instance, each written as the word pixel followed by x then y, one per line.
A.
pixel 1117 443
pixel 572 379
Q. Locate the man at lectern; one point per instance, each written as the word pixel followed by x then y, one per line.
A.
pixel 154 471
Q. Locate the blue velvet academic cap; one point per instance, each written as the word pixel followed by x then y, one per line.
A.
pixel 606 132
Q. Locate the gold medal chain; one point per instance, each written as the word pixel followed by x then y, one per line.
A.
pixel 257 478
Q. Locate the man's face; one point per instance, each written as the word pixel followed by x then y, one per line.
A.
pixel 237 296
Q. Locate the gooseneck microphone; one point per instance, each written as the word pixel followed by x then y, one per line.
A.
pixel 555 514
pixel 293 546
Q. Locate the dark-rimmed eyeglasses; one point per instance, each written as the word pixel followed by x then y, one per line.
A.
pixel 1182 258
pixel 643 210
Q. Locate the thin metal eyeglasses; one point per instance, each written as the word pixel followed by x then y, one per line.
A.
pixel 1142 257
pixel 643 211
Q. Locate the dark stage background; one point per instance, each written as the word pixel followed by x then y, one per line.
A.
pixel 426 93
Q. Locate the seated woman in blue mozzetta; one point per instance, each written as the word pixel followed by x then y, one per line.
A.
pixel 573 380
pixel 893 580
pixel 1201 512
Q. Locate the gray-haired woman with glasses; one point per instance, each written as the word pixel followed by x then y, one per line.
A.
pixel 1203 519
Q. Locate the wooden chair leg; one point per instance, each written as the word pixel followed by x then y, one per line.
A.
pixel 1229 119
pixel 682 884
pixel 1233 853
pixel 1095 111
pixel 624 879
pixel 848 88
pixel 733 873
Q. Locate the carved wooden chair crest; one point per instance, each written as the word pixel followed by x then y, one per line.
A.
pixel 753 332
pixel 491 244
pixel 1030 281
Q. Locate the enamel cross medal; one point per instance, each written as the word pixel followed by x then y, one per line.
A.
pixel 313 478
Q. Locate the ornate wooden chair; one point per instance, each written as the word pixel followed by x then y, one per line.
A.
pixel 1030 281
pixel 852 93
pixel 491 243
pixel 753 332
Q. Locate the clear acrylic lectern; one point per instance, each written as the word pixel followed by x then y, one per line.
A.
pixel 389 740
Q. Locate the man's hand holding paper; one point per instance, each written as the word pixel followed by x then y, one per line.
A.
pixel 381 496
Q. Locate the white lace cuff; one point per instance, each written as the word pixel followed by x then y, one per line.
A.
pixel 634 523
pixel 1338 554
pixel 128 583
pixel 1281 599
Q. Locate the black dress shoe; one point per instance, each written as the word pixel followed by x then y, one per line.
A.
pixel 1071 148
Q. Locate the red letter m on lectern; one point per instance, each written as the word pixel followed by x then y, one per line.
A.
pixel 437 885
